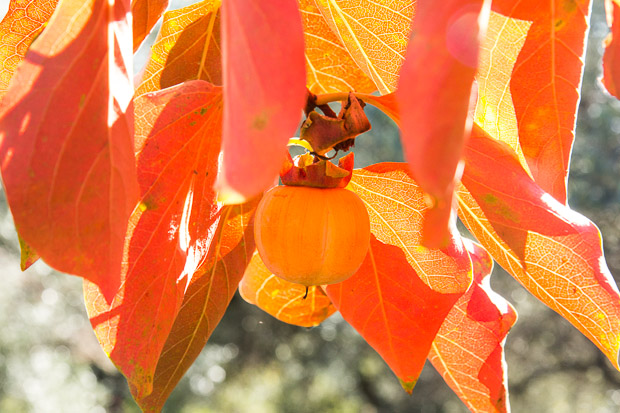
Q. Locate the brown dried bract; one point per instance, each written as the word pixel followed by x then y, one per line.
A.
pixel 325 132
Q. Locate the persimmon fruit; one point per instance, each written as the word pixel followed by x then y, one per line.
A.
pixel 312 236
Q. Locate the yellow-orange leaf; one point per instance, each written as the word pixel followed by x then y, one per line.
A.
pixel 374 32
pixel 22 24
pixel 396 206
pixel 286 301
pixel 495 112
pixel 186 48
pixel 329 66
pixel 552 250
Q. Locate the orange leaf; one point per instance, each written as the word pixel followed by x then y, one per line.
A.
pixel 374 32
pixel 22 23
pixel 264 92
pixel 187 48
pixel 403 291
pixel 70 196
pixel 611 59
pixel 145 14
pixel 468 350
pixel 329 66
pixel 286 301
pixel 546 103
pixel 170 233
pixel 205 301
pixel 553 251
pixel 434 98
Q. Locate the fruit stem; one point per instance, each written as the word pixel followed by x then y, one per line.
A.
pixel 306 294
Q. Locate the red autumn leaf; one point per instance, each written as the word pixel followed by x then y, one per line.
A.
pixel 403 291
pixel 22 23
pixel 71 196
pixel 206 299
pixel 434 97
pixel 264 92
pixel 545 84
pixel 178 133
pixel 145 14
pixel 187 48
pixel 553 251
pixel 468 350
pixel 286 301
pixel 611 58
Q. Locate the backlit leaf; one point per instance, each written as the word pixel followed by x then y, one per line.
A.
pixel 400 296
pixel 286 301
pixel 70 196
pixel 545 84
pixel 178 136
pixel 434 98
pixel 329 66
pixel 205 301
pixel 187 48
pixel 22 23
pixel 264 92
pixel 374 32
pixel 145 14
pixel 495 112
pixel 468 350
pixel 611 58
pixel 553 251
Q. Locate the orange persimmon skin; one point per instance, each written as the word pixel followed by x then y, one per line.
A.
pixel 312 236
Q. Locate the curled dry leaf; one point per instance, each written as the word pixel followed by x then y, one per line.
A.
pixel 325 132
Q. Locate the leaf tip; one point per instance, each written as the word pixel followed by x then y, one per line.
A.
pixel 226 194
pixel 408 385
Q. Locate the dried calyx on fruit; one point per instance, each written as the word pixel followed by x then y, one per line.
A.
pixel 313 231
pixel 330 131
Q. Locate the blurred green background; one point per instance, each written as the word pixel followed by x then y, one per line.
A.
pixel 50 360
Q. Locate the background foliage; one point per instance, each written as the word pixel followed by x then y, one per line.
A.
pixel 50 360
